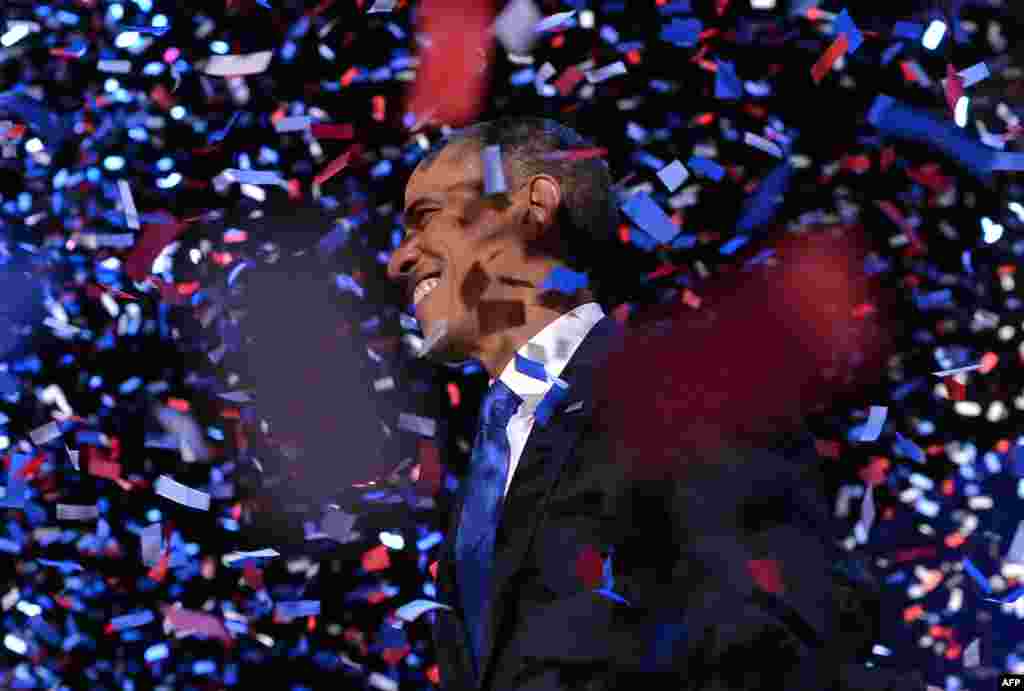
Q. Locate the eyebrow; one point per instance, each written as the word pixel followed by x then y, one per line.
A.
pixel 476 185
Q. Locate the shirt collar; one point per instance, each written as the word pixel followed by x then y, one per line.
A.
pixel 553 346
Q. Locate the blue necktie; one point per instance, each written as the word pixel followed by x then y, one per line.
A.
pixel 481 509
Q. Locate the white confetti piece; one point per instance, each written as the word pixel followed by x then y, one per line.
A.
pixel 382 683
pixel 252 177
pixel 114 66
pixel 414 610
pixel 555 22
pixel 607 72
pixel 423 426
pixel 382 6
pixel 73 455
pixel 234 557
pixel 1016 553
pixel 181 494
pixel 972 75
pixel 237 65
pixel 44 434
pixel 152 544
pixel 337 526
pixel 958 370
pixel 867 515
pixel 765 145
pixel 131 215
pixel 876 420
pixel 384 384
pixel 237 396
pixel 494 176
pixel 295 123
pixel 515 27
pixel 77 512
pixel 972 654
pixel 439 331
pixel 673 175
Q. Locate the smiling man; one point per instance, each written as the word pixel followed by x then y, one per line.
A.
pixel 561 570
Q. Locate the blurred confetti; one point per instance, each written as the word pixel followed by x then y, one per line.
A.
pixel 215 368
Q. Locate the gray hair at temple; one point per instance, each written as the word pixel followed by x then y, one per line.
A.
pixel 588 217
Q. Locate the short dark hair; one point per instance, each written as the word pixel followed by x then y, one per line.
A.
pixel 588 216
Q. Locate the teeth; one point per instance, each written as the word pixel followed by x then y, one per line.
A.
pixel 424 288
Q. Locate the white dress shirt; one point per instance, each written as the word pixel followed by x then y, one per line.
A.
pixel 553 346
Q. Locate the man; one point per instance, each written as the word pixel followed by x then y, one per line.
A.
pixel 561 569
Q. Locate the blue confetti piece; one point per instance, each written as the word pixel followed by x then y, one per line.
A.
pixel 909 30
pixel 14 494
pixel 871 430
pixel 897 120
pixel 727 84
pixel 934 300
pixel 1010 597
pixel 531 368
pixel 844 25
pixel 763 204
pixel 734 244
pixel 706 167
pixel 613 596
pixel 650 217
pixel 977 575
pixel 564 280
pixel 683 33
pixel 908 449
pixel 891 52
pixel 1006 160
pixel 552 399
pixel 220 134
pixel 677 7
pixel 63 566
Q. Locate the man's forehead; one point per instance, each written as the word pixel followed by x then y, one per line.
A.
pixel 454 169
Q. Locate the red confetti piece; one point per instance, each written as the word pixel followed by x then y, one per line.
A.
pixel 393 656
pixel 576 154
pixel 101 467
pixel 874 473
pixel 337 165
pixel 434 675
pixel 31 467
pixel 159 570
pixel 433 570
pixel 988 362
pixel 431 471
pixel 589 567
pixel 253 576
pixel 568 81
pixel 322 130
pixel 154 239
pixel 767 574
pixel 957 391
pixel 829 57
pixel 954 87
pixel 827 448
pixel 376 559
pixel 454 67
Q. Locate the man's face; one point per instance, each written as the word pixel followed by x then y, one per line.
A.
pixel 468 247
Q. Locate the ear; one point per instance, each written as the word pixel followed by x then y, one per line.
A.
pixel 545 196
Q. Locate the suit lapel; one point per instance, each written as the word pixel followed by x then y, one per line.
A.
pixel 546 451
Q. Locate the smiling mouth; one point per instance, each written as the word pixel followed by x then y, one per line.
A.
pixel 425 287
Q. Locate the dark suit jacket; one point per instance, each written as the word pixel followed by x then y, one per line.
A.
pixel 684 608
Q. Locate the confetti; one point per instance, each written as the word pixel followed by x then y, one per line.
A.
pixel 73 512
pixel 876 420
pixel 181 494
pixel 494 176
pixel 237 65
pixel 650 218
pixel 516 26
pixel 825 63
pixel 673 175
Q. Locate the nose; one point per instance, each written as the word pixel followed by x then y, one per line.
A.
pixel 402 261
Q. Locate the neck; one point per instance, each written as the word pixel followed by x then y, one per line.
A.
pixel 500 348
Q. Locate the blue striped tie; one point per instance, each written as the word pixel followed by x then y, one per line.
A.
pixel 481 510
